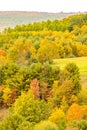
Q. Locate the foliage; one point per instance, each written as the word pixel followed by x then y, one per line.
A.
pixel 74 76
pixel 82 96
pixel 25 126
pixel 35 88
pixel 11 122
pixel 6 96
pixel 77 112
pixel 67 90
pixel 56 25
pixel 58 117
pixel 77 124
pixel 45 52
pixel 64 104
pixel 31 81
pixel 83 125
pixel 33 110
pixel 46 125
pixel 73 124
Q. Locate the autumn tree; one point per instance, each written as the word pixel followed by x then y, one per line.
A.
pixel 66 89
pixel 82 96
pixel 58 117
pixel 74 76
pixel 32 110
pixel 47 51
pixel 6 96
pixel 74 112
pixel 34 85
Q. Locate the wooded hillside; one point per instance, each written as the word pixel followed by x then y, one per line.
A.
pixel 41 95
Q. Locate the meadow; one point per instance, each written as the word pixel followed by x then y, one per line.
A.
pixel 81 62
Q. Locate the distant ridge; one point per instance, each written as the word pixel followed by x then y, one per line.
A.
pixel 13 18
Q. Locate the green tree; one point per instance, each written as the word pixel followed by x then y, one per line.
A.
pixel 12 122
pixel 33 110
pixel 66 89
pixel 74 76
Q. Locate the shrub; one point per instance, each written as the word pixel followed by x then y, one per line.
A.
pixel 83 125
pixel 73 124
pixel 58 117
pixel 82 96
pixel 80 125
pixel 46 125
pixel 11 122
pixel 25 126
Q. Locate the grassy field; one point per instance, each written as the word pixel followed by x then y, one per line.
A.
pixel 81 62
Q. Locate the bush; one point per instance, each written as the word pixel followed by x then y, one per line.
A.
pixel 58 117
pixel 82 96
pixel 25 126
pixel 73 123
pixel 11 122
pixel 46 125
pixel 83 125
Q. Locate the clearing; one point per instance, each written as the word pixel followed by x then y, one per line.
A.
pixel 81 62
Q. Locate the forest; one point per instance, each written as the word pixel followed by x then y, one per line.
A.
pixel 37 94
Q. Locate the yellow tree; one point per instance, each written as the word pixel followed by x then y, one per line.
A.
pixel 6 96
pixel 48 51
pixel 58 117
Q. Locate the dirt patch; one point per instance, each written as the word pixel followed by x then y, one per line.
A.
pixel 3 113
pixel 75 128
pixel 84 81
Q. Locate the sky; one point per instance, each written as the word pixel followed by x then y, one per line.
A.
pixel 44 5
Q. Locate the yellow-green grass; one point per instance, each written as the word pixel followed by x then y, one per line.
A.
pixel 81 62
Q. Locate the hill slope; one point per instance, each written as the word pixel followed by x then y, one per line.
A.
pixel 15 18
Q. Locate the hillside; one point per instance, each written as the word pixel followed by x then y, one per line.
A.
pixel 43 74
pixel 15 18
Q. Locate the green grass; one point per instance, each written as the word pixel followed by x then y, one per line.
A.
pixel 81 62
